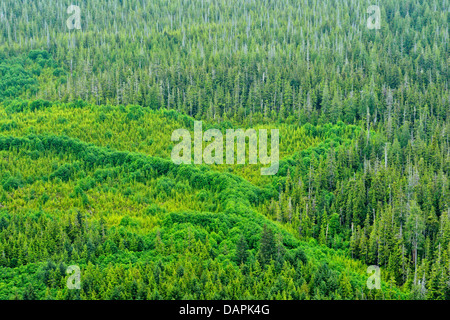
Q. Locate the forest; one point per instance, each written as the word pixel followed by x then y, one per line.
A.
pixel 87 180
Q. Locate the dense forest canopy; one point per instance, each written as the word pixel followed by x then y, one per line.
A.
pixel 86 178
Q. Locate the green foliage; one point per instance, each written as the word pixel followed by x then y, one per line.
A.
pixel 85 138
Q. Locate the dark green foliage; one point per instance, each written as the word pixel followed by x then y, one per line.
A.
pixel 12 183
pixel 267 247
pixel 29 293
pixel 64 172
pixel 241 250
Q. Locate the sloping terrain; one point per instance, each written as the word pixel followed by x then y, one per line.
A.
pixel 129 218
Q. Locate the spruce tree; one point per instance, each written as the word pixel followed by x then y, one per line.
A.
pixel 267 246
pixel 241 250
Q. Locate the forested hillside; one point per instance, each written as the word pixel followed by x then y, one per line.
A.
pixel 86 178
